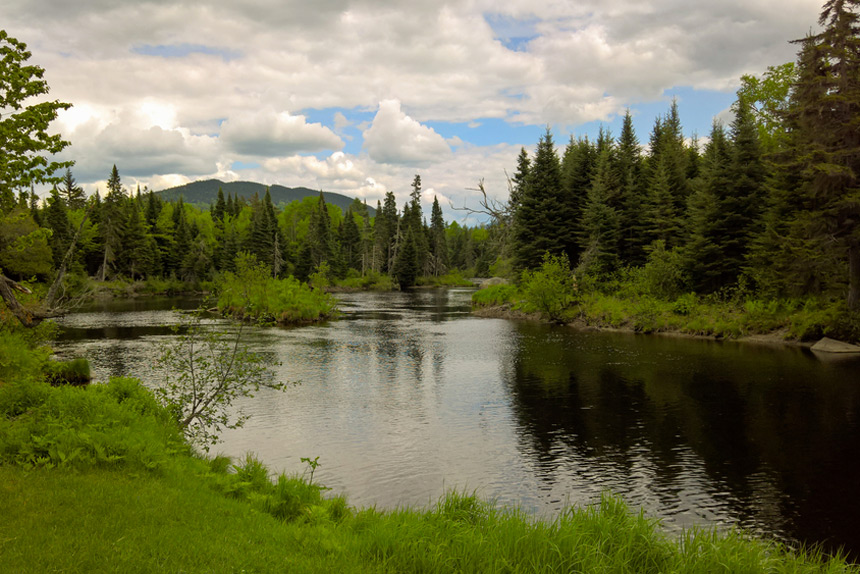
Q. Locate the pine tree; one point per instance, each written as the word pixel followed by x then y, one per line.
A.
pixel 71 192
pixel 319 239
pixel 220 208
pixel 707 234
pixel 828 114
pixel 112 224
pixel 138 255
pixel 438 243
pixel 519 180
pixel 577 171
pixel 633 224
pixel 600 221
pixel 350 242
pixel 57 219
pixel 543 222
pixel 405 269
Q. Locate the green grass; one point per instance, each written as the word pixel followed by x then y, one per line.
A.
pixel 371 281
pixel 495 295
pixel 99 479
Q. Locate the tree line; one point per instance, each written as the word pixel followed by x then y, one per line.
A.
pixel 139 235
pixel 770 203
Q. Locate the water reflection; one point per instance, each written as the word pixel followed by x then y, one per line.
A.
pixel 697 430
pixel 408 395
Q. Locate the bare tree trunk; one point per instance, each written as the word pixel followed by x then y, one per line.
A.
pixel 26 317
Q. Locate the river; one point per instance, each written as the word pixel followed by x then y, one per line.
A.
pixel 408 396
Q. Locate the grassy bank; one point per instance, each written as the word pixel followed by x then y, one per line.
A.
pixel 639 301
pixel 99 479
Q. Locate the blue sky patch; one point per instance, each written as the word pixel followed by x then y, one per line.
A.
pixel 184 50
pixel 514 34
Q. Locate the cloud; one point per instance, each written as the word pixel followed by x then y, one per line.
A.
pixel 181 88
pixel 272 134
pixel 395 138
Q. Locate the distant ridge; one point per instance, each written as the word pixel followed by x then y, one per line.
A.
pixel 206 192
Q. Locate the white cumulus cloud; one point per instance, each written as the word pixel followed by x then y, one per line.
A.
pixel 396 138
pixel 272 134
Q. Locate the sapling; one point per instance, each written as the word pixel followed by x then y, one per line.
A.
pixel 205 371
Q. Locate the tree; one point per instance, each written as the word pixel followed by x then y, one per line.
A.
pixel 768 98
pixel 543 221
pixel 634 230
pixel 600 221
pixel 25 143
pixel 205 371
pixel 438 243
pixel 57 219
pixel 825 144
pixel 406 269
pixel 112 224
pixel 71 192
pixel 520 179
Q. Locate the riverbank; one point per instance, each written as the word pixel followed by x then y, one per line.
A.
pixel 782 323
pixel 99 479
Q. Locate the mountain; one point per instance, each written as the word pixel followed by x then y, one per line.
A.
pixel 206 192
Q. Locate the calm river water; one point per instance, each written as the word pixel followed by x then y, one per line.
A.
pixel 408 396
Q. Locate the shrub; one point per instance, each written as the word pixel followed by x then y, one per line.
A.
pixel 550 288
pixel 251 293
pixel 663 276
pixel 74 372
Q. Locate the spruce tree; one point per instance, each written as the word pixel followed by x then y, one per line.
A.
pixel 319 238
pixel 71 192
pixel 220 208
pixel 631 201
pixel 519 180
pixel 405 270
pixel 57 220
pixel 112 223
pixel 600 221
pixel 438 243
pixel 707 235
pixel 543 222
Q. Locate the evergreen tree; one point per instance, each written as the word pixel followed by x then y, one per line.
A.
pixel 707 233
pixel 139 252
pixel 220 208
pixel 112 224
pixel 405 269
pixel 438 243
pixel 633 224
pixel 661 212
pixel 600 221
pixel 319 238
pixel 827 112
pixel 153 208
pixel 350 242
pixel 543 222
pixel 71 192
pixel 577 171
pixel 57 220
pixel 519 180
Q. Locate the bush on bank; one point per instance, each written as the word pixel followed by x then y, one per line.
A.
pixel 252 293
pixel 649 300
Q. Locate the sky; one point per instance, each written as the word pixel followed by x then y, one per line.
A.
pixel 359 96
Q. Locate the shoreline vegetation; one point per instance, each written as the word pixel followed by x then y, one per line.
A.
pixel 790 323
pixel 127 493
